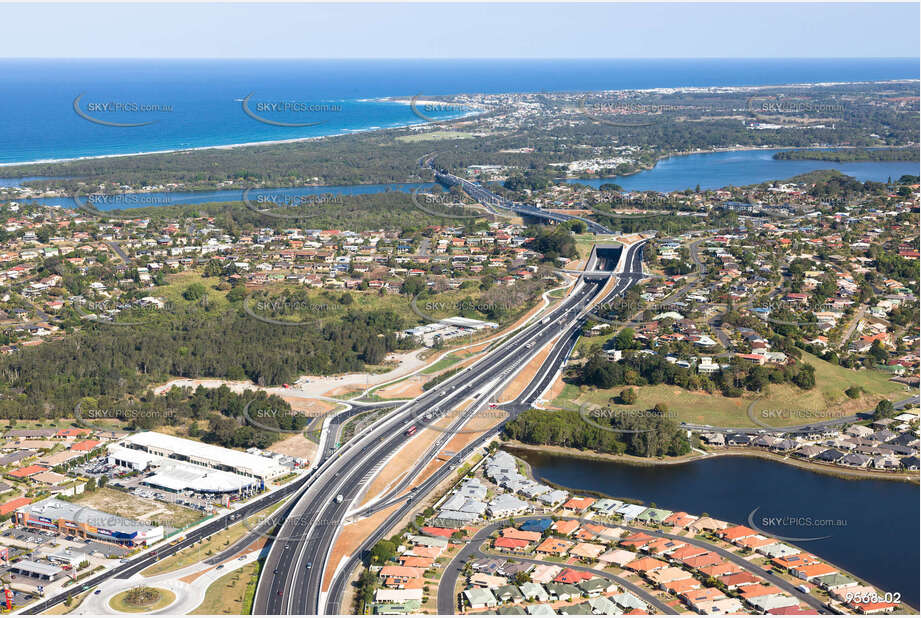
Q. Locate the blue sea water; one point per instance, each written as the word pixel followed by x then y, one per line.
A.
pixel 204 98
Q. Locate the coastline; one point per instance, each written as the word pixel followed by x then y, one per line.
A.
pixel 827 469
pixel 276 142
pixel 408 100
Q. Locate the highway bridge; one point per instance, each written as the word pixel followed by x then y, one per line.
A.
pixel 294 575
pixel 496 203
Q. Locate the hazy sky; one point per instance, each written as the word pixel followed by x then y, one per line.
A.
pixel 459 31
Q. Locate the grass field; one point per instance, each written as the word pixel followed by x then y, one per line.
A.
pixel 64 608
pixel 178 282
pixel 231 594
pixel 444 363
pixel 216 543
pixel 788 404
pixel 585 242
pixel 434 136
pixel 120 602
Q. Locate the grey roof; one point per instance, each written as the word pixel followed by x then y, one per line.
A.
pixel 506 502
pixel 48 570
pixel 580 609
pixel 480 596
pixel 628 601
pixel 532 590
pixel 603 606
pixel 835 579
pixel 54 509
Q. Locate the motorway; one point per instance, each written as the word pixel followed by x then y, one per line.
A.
pixel 291 584
pixel 492 201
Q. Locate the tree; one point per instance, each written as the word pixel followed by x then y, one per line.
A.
pixel 624 339
pixel 628 396
pixel 194 291
pixel 213 268
pixel 883 409
pixel 383 552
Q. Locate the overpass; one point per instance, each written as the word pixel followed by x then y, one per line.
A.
pixel 496 203
pixel 295 579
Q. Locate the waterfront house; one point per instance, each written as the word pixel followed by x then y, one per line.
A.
pixel 810 572
pixel 830 456
pixel 835 581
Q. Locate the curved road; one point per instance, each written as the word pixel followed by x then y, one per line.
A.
pixel 291 583
pixel 446 601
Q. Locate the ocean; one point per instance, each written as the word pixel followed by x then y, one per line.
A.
pixel 180 104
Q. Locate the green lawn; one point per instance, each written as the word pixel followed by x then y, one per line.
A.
pixel 444 363
pixel 585 242
pixel 232 593
pixel 790 405
pixel 120 602
pixel 434 136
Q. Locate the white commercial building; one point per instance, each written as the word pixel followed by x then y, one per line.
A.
pixel 206 455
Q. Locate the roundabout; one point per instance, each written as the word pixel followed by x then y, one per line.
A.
pixel 142 599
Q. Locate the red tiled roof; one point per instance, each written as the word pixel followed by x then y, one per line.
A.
pixel 85 445
pixel 12 505
pixel 28 471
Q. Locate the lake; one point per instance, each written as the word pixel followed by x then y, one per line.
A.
pixel 205 197
pixel 710 170
pixel 714 170
pixel 873 532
